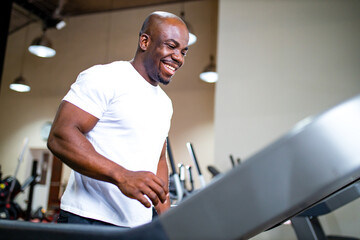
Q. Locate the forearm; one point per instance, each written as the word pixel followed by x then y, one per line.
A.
pixel 163 174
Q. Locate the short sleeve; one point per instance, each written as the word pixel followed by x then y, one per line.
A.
pixel 90 92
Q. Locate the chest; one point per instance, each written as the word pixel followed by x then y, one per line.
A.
pixel 138 111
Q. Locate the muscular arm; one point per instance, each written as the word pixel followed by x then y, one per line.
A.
pixel 68 143
pixel 163 173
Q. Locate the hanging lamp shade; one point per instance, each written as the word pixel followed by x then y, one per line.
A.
pixel 192 36
pixel 209 74
pixel 42 47
pixel 20 85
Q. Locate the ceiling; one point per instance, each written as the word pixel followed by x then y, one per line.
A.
pixel 51 12
pixel 203 15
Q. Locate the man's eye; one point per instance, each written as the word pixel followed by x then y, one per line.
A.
pixel 171 46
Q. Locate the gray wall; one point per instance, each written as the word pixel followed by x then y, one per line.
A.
pixel 279 62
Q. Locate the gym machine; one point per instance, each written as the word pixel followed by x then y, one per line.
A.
pixel 10 188
pixel 175 188
pixel 193 156
pixel 307 225
pixel 315 161
pixel 178 185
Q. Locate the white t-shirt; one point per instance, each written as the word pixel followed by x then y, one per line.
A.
pixel 134 121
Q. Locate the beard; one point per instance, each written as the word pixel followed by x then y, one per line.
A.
pixel 164 81
pixel 155 74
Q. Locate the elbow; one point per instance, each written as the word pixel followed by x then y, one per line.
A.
pixel 54 145
pixel 50 143
pixel 53 142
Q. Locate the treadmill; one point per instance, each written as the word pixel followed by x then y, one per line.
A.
pixel 315 161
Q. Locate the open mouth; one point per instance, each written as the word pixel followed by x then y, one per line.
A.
pixel 170 70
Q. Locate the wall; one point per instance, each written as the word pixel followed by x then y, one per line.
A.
pixel 279 62
pixel 95 39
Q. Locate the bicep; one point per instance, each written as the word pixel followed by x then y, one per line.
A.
pixel 66 139
pixel 70 116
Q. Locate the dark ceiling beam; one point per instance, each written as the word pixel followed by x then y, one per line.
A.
pixel 74 13
pixel 5 14
pixel 47 17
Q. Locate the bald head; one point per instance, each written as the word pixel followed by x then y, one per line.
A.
pixel 155 18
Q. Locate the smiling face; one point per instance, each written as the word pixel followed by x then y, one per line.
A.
pixel 164 48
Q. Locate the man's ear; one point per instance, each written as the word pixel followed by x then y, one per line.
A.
pixel 144 41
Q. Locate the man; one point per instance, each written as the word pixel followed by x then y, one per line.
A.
pixel 111 129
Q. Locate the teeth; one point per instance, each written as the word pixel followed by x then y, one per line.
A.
pixel 170 67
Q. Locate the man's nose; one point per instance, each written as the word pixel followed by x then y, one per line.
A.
pixel 178 57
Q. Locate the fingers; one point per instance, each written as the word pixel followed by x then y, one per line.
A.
pixel 160 189
pixel 145 186
pixel 155 190
pixel 143 200
pixel 146 194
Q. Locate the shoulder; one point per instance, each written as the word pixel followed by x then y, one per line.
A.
pixel 106 70
pixel 102 77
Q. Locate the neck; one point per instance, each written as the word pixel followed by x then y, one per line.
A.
pixel 139 67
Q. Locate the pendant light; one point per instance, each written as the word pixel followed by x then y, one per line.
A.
pixel 20 84
pixel 209 74
pixel 192 36
pixel 42 47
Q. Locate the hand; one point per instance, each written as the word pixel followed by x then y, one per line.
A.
pixel 136 185
pixel 161 208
